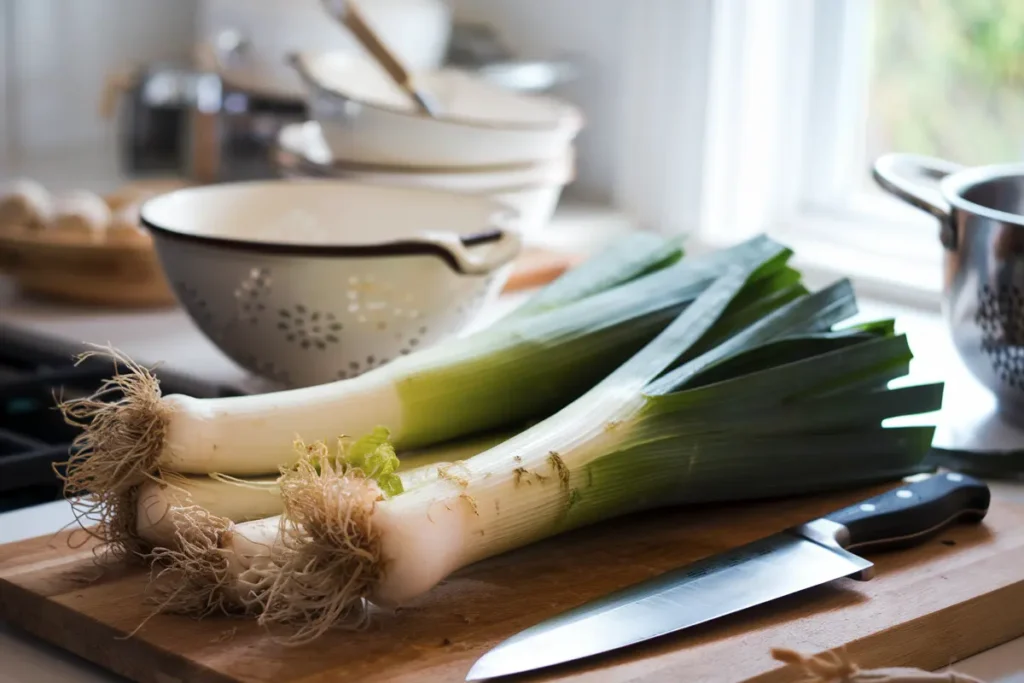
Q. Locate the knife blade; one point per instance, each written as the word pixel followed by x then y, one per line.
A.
pixel 793 560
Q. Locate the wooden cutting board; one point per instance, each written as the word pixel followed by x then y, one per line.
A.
pixel 928 607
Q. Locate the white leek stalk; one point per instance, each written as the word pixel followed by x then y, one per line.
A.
pixel 163 504
pixel 172 503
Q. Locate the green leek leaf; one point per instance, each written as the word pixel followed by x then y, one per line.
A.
pixel 815 312
pixel 545 361
pixel 624 260
pixel 775 353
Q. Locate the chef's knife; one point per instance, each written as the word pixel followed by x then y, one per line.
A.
pixel 790 561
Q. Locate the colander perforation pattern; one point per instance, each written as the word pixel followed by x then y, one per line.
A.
pixel 299 322
pixel 197 305
pixel 1000 319
pixel 251 294
pixel 313 327
pixel 309 329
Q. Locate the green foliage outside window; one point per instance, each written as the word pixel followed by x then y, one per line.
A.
pixel 948 79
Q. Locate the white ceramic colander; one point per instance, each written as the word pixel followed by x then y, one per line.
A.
pixel 305 283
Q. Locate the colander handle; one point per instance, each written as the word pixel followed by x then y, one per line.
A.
pixel 914 179
pixel 477 260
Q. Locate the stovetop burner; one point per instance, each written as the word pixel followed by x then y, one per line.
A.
pixel 34 371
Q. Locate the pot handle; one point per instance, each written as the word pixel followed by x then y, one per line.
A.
pixel 466 260
pixel 914 178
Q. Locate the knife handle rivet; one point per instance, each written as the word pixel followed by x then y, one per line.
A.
pixel 903 493
pixel 953 476
pixel 867 507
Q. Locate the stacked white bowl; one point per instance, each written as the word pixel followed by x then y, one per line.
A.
pixel 514 147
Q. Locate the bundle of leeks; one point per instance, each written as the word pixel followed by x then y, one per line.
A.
pixel 138 456
pixel 751 391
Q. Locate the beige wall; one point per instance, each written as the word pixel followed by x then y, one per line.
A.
pixel 594 32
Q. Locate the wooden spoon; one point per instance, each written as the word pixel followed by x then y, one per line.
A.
pixel 348 14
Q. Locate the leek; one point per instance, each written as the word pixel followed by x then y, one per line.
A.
pixel 527 367
pixel 629 258
pixel 166 504
pixel 786 404
pixel 169 503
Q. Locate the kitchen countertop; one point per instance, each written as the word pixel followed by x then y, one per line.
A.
pixel 168 336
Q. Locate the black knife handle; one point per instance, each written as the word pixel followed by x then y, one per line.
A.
pixel 913 512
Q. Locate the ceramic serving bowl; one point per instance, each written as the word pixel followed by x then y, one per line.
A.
pixel 367 119
pixel 308 282
pixel 532 190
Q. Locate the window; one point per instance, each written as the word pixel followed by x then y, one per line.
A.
pixel 809 92
pixel 946 79
pixel 805 94
pixel 725 118
pixel 934 77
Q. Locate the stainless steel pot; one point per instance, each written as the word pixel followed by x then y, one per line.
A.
pixel 185 121
pixel 981 225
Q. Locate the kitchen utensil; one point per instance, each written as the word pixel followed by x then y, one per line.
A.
pixel 185 120
pixel 215 118
pixel 529 76
pixel 981 226
pixel 938 602
pixel 794 560
pixel 532 190
pixel 477 47
pixel 367 119
pixel 150 105
pixel 250 39
pixel 308 282
pixel 351 17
